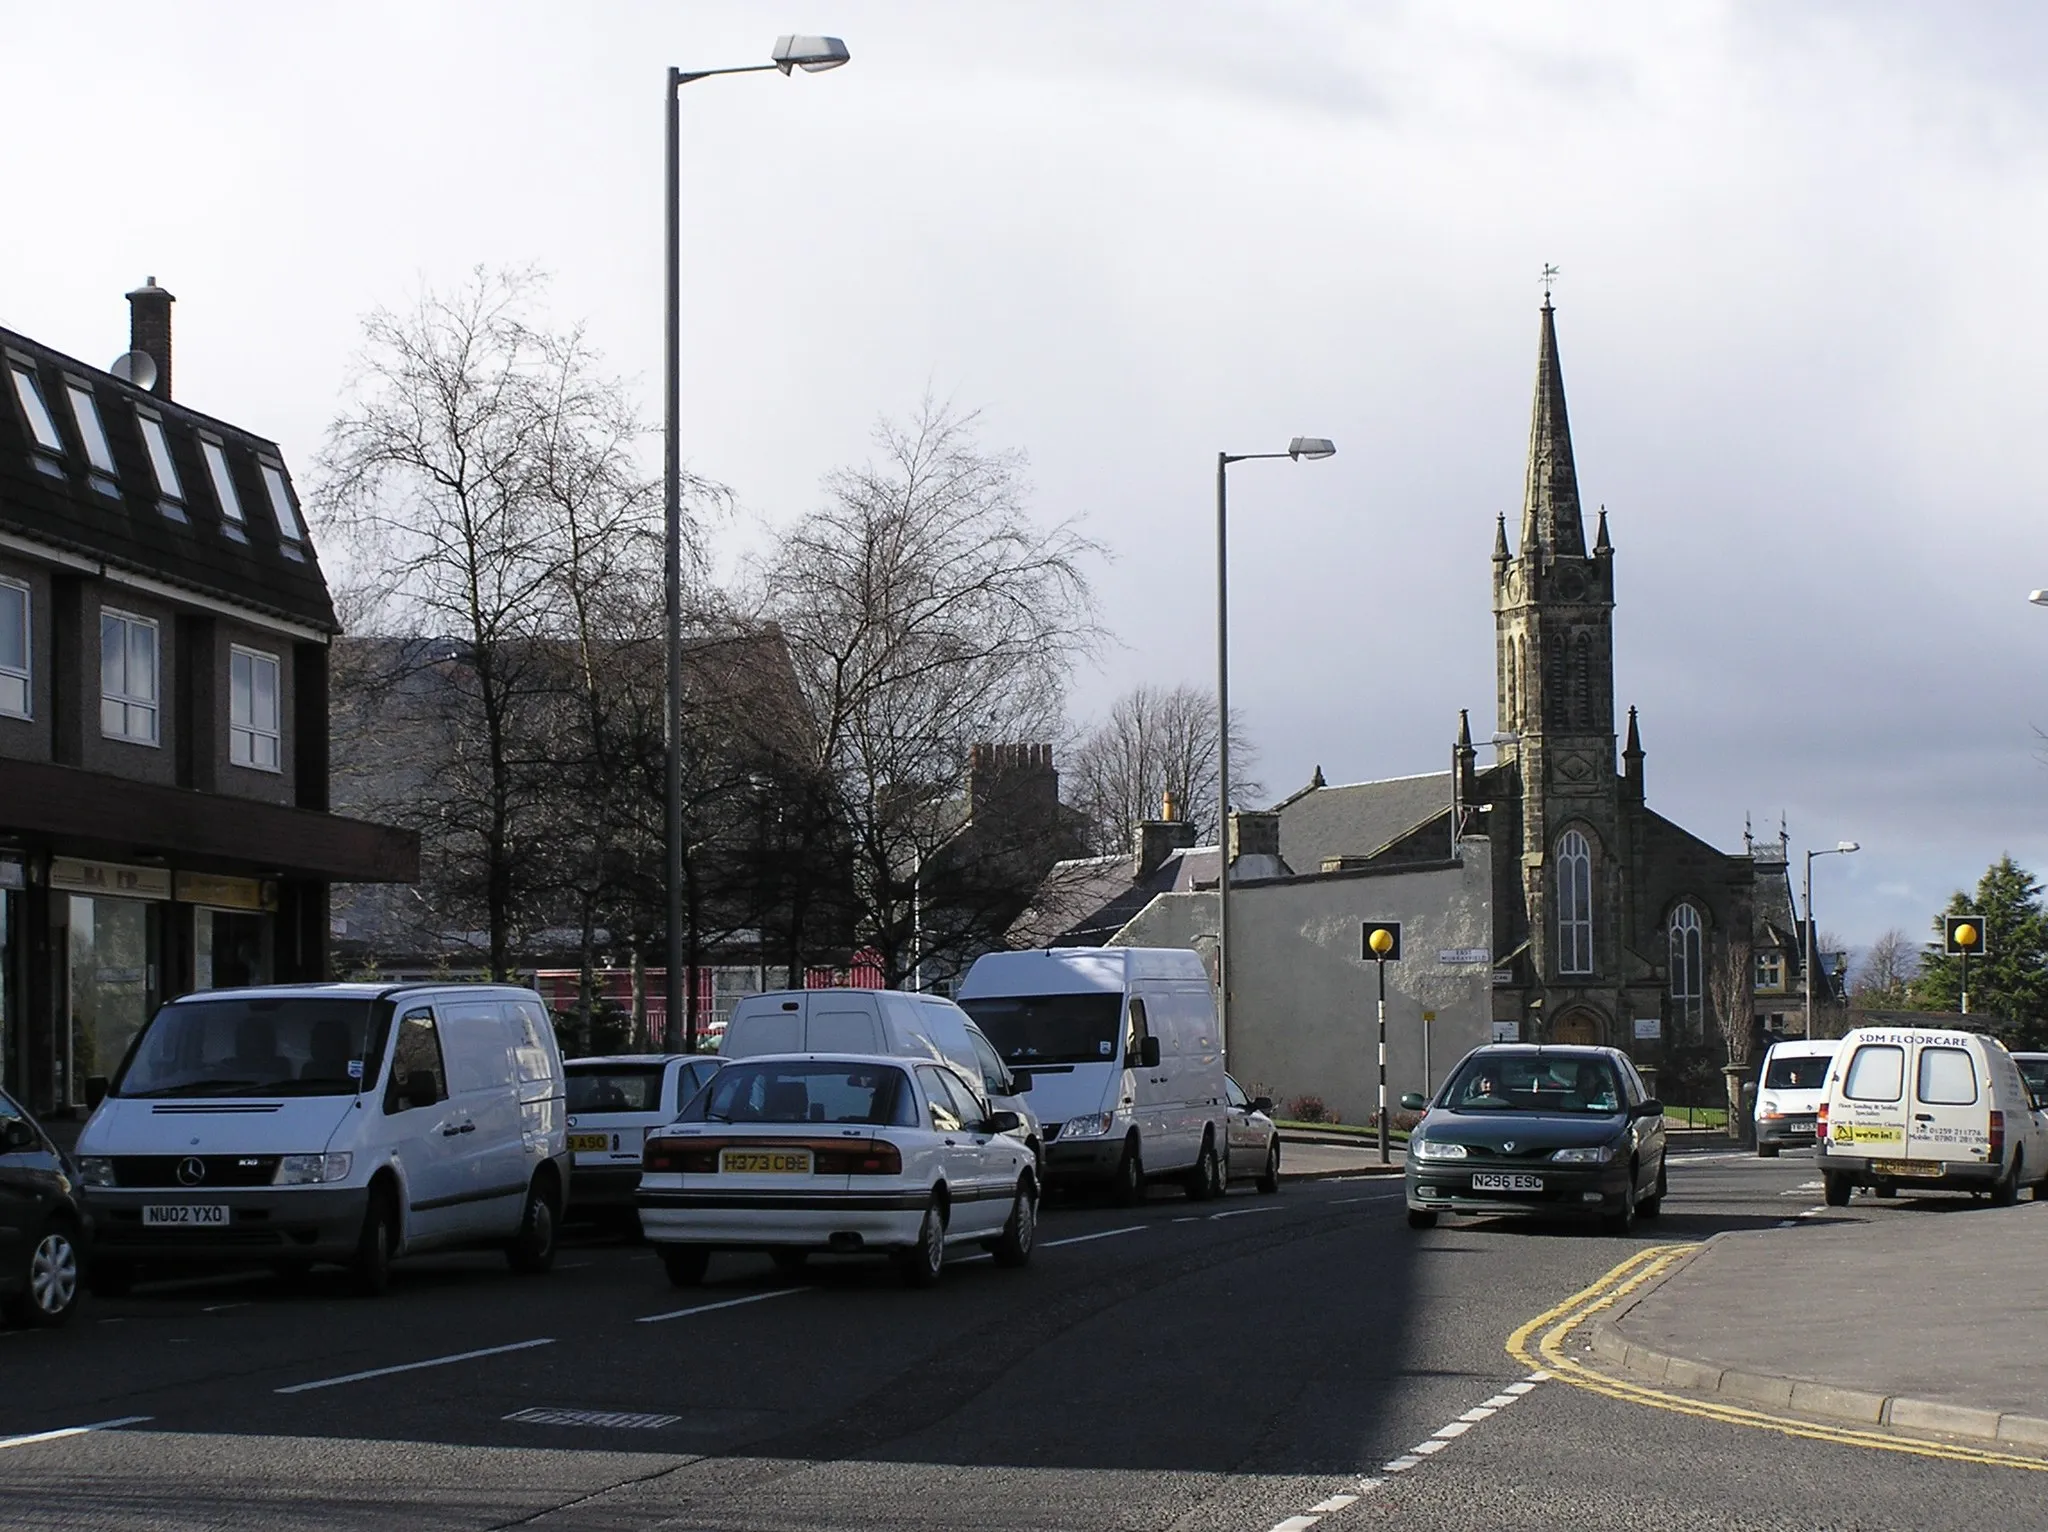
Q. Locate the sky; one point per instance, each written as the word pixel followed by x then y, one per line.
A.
pixel 1802 328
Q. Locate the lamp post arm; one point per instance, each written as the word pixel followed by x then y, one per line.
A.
pixel 678 77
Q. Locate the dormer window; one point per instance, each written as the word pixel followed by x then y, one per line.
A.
pixel 223 487
pixel 86 411
pixel 281 507
pixel 42 427
pixel 169 487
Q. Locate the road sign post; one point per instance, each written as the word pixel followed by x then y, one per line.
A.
pixel 1383 945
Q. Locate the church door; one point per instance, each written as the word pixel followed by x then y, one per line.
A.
pixel 1576 1027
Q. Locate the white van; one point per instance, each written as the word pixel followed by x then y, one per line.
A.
pixel 881 1021
pixel 1121 1046
pixel 1931 1109
pixel 350 1123
pixel 1793 1085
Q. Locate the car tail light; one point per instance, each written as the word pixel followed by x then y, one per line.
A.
pixel 1998 1135
pixel 878 1157
pixel 675 1155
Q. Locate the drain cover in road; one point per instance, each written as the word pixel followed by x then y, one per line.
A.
pixel 622 1420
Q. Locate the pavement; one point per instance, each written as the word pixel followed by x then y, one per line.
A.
pixel 1928 1318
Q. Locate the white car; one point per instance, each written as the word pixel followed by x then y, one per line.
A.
pixel 840 1154
pixel 614 1103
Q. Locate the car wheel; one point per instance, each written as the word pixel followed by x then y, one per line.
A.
pixel 923 1261
pixel 1128 1190
pixel 1653 1204
pixel 370 1270
pixel 2006 1192
pixel 1421 1218
pixel 1020 1234
pixel 1837 1188
pixel 106 1277
pixel 1623 1219
pixel 50 1282
pixel 685 1264
pixel 790 1263
pixel 1767 1151
pixel 1201 1182
pixel 1269 1178
pixel 532 1251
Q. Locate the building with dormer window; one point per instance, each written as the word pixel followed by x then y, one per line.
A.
pixel 164 632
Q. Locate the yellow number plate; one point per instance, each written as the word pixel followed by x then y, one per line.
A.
pixel 1865 1133
pixel 582 1141
pixel 1907 1167
pixel 765 1162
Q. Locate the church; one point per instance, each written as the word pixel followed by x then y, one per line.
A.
pixel 1541 897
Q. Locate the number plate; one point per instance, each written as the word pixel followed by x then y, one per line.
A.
pixel 579 1142
pixel 1491 1181
pixel 765 1162
pixel 184 1215
pixel 1907 1167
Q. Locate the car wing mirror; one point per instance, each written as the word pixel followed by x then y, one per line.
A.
pixel 1651 1108
pixel 1262 1103
pixel 1414 1101
pixel 1002 1122
pixel 15 1136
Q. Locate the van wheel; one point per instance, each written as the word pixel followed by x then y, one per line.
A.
pixel 50 1281
pixel 923 1261
pixel 1020 1234
pixel 1838 1186
pixel 1205 1180
pixel 107 1277
pixel 1269 1178
pixel 1767 1151
pixel 370 1271
pixel 1885 1189
pixel 2007 1191
pixel 1128 1189
pixel 685 1264
pixel 532 1251
pixel 1422 1218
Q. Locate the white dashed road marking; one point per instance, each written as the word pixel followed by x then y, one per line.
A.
pixel 1414 1457
pixel 728 1303
pixel 52 1436
pixel 1082 1239
pixel 437 1361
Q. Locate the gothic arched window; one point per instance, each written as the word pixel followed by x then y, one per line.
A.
pixel 1688 966
pixel 1574 904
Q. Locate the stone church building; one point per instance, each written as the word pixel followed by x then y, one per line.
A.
pixel 1542 898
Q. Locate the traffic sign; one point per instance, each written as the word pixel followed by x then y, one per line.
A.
pixel 1963 935
pixel 1382 941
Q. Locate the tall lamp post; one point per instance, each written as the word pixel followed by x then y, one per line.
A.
pixel 1841 848
pixel 1313 448
pixel 810 54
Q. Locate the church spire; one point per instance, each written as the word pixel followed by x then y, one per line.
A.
pixel 1550 497
pixel 1500 538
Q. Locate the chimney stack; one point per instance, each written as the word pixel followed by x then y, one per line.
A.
pixel 149 331
pixel 1159 838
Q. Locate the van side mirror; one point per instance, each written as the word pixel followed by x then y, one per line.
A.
pixel 1002 1122
pixel 1020 1085
pixel 95 1090
pixel 1414 1101
pixel 1262 1104
pixel 1148 1054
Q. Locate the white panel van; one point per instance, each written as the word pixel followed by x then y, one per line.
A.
pixel 349 1123
pixel 1929 1109
pixel 1126 1065
pixel 1789 1093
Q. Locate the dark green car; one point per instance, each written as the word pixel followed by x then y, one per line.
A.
pixel 1520 1130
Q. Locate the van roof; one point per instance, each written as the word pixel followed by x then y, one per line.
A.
pixel 1077 970
pixel 354 990
pixel 1806 1048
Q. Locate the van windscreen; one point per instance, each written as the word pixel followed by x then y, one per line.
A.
pixel 1050 1029
pixel 287 1045
pixel 1796 1072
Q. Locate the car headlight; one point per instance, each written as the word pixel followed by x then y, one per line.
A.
pixel 1431 1149
pixel 1598 1154
pixel 96 1170
pixel 1768 1106
pixel 1093 1126
pixel 312 1169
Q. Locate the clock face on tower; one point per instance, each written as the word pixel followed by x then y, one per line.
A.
pixel 1571 586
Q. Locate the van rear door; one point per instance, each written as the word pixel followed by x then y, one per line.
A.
pixel 1951 1117
pixel 1870 1119
pixel 843 1024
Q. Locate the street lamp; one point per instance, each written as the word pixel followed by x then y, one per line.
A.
pixel 2038 597
pixel 810 54
pixel 1314 449
pixel 1841 848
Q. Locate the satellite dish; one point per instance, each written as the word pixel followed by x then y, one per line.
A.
pixel 137 367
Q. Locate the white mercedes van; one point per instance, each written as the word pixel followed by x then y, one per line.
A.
pixel 881 1021
pixel 1789 1094
pixel 1929 1109
pixel 1122 1049
pixel 347 1123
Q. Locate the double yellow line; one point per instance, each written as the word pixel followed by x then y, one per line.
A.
pixel 1541 1344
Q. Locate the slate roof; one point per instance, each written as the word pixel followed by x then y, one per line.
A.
pixel 1359 818
pixel 51 499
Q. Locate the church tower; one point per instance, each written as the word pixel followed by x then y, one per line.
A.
pixel 1553 604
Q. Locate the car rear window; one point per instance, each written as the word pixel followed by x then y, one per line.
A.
pixel 615 1088
pixel 2035 1073
pixel 1948 1077
pixel 806 1090
pixel 1877 1072
pixel 1796 1072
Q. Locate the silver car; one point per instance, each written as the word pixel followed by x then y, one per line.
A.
pixel 1254 1139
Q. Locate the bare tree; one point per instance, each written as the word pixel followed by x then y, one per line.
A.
pixel 1884 978
pixel 1156 740
pixel 925 611
pixel 1731 988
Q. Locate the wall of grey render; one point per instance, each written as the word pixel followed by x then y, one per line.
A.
pixel 1302 1011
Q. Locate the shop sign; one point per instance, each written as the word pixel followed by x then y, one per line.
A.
pixel 121 882
pixel 13 874
pixel 225 893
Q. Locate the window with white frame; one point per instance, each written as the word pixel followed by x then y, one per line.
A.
pixel 1770 970
pixel 281 504
pixel 14 672
pixel 128 677
pixel 168 484
pixel 253 731
pixel 42 425
pixel 86 411
pixel 1574 904
pixel 1688 965
pixel 223 484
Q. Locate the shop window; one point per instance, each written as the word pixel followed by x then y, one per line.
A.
pixel 253 729
pixel 14 670
pixel 128 678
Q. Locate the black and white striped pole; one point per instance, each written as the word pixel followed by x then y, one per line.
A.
pixel 1382 945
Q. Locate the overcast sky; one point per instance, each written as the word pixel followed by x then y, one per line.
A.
pixel 1801 315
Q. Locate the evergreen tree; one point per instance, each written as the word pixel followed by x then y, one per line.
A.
pixel 2009 983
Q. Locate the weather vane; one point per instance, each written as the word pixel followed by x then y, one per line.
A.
pixel 1549 276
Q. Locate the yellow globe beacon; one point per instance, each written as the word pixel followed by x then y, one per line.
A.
pixel 1966 935
pixel 1381 941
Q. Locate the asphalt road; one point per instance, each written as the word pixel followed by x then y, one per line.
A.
pixel 1249 1364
